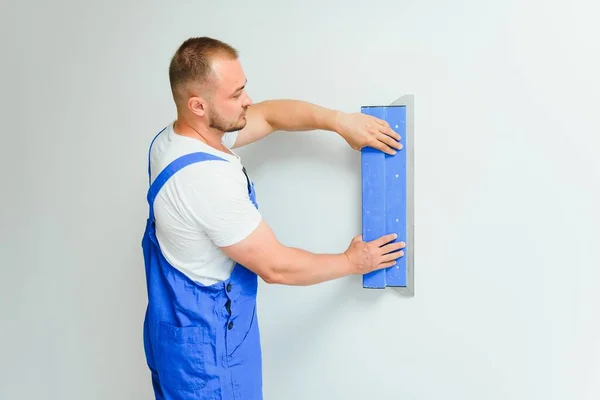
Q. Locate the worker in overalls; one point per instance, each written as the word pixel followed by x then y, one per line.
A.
pixel 206 244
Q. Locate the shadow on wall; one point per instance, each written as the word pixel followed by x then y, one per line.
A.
pixel 295 148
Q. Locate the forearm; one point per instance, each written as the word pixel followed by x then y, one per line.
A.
pixel 274 262
pixel 298 115
pixel 293 266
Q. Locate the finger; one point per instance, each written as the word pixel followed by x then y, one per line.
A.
pixel 383 147
pixel 385 265
pixel 392 256
pixel 388 131
pixel 382 122
pixel 356 239
pixel 392 247
pixel 390 141
pixel 384 239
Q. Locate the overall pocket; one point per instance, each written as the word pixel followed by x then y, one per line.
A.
pixel 180 356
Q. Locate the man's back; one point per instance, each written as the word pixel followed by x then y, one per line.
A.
pixel 202 207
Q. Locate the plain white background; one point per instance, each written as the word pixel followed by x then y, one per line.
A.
pixel 507 193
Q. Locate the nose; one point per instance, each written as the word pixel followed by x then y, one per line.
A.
pixel 247 101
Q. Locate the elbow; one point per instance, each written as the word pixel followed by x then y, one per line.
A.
pixel 273 272
pixel 264 255
pixel 273 277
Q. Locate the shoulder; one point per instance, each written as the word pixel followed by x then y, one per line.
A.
pixel 168 147
pixel 211 175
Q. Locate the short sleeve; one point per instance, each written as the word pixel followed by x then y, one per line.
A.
pixel 229 139
pixel 218 200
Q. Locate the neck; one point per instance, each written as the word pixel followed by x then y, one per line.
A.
pixel 199 131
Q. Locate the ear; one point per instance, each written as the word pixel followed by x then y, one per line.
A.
pixel 197 105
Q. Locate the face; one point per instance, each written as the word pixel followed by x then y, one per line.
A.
pixel 226 108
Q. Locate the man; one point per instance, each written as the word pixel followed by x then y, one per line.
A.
pixel 206 243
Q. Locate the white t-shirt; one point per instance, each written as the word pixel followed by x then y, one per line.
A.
pixel 201 207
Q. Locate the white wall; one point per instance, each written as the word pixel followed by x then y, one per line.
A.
pixel 507 194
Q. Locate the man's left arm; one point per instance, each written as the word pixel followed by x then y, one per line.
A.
pixel 359 130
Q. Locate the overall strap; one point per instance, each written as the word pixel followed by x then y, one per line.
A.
pixel 171 169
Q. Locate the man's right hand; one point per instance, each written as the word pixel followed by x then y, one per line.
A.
pixel 365 257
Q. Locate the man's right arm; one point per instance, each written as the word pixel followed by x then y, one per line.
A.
pixel 217 197
pixel 263 254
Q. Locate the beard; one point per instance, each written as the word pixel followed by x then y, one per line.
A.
pixel 219 123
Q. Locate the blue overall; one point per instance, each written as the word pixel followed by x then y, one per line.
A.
pixel 200 341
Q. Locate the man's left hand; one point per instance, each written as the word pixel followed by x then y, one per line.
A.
pixel 361 130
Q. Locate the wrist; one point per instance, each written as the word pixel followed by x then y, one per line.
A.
pixel 348 266
pixel 336 124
